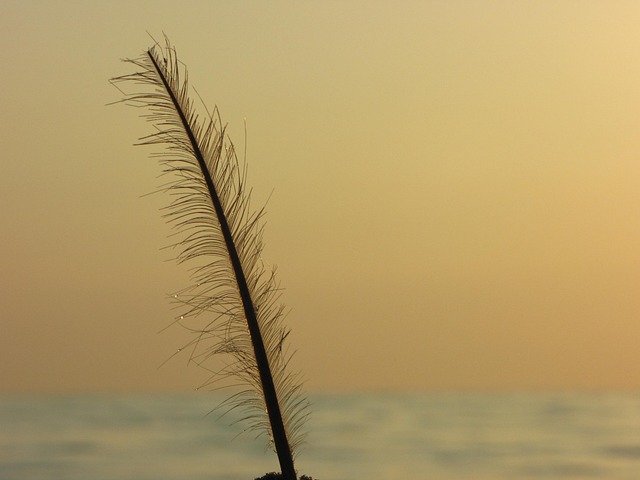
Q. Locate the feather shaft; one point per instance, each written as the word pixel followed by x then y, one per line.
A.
pixel 281 442
pixel 210 207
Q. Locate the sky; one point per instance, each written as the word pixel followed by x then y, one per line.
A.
pixel 452 189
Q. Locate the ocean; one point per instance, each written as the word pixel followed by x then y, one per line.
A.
pixel 434 436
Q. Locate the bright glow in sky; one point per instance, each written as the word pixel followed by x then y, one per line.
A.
pixel 455 204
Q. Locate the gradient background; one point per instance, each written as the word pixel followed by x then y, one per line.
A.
pixel 454 190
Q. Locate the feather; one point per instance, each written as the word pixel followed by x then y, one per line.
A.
pixel 233 306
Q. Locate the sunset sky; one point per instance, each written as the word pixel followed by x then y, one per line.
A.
pixel 453 190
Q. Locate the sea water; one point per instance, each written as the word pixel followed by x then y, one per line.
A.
pixel 351 436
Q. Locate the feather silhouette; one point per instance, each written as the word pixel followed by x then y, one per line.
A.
pixel 233 306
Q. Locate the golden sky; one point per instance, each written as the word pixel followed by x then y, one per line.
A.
pixel 453 189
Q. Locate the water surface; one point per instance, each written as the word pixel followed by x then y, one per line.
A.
pixel 367 436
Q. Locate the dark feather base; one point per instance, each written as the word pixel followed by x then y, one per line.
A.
pixel 278 476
